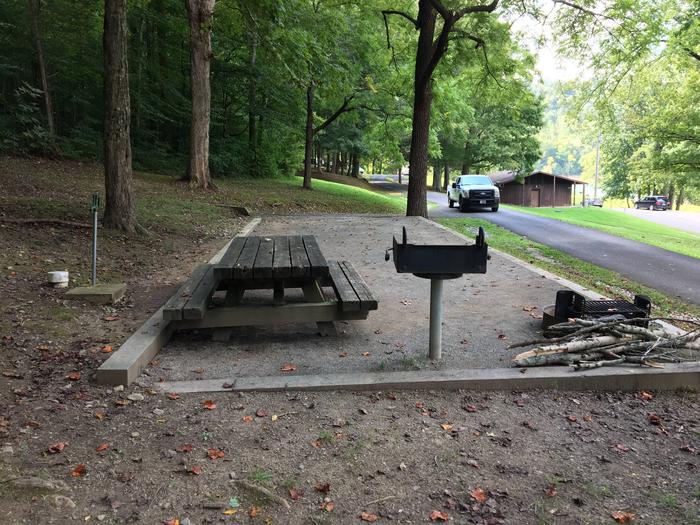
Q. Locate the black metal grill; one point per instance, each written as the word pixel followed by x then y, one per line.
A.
pixel 481 194
pixel 571 304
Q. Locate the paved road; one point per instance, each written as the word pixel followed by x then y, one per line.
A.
pixel 669 272
pixel 683 220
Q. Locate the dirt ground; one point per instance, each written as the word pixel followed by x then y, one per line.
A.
pixel 71 451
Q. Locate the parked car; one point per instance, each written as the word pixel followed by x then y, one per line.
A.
pixel 473 191
pixel 653 202
pixel 594 202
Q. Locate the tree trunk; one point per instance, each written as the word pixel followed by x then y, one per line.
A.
pixel 381 167
pixel 446 179
pixel 422 100
pixel 328 161
pixel 436 176
pixel 119 202
pixel 309 135
pixel 34 8
pixel 200 17
pixel 400 168
pixel 355 165
pixel 681 196
pixel 252 122
pixel 336 162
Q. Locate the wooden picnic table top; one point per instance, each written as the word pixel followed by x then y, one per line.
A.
pixel 272 257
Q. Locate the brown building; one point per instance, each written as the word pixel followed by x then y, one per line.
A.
pixel 539 189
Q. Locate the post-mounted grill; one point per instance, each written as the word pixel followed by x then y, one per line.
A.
pixel 438 262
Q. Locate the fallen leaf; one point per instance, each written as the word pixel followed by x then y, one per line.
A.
pixel 623 517
pixel 215 453
pixel 110 317
pixel 209 404
pixel 572 419
pixel 55 448
pixel 343 354
pixel 446 426
pixel 550 491
pixel 502 337
pixel 99 415
pixel 646 396
pixel 654 419
pixel 254 511
pixel 479 495
pixel 274 417
pixel 196 471
pixel 12 374
pixel 520 402
pixel 102 447
pixel 295 494
pixel 247 419
pixel 420 405
pixel 261 412
pixel 73 376
pixel 328 506
pixel 230 512
pixel 79 470
pixel 323 487
pixel 436 515
pixel 288 367
pixel 365 354
pixel 470 408
pixel 227 385
pixel 173 521
pixel 529 424
pixel 185 448
pixel 367 516
pixel 173 396
pixel 621 447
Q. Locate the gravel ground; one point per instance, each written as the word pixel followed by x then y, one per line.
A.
pixel 482 313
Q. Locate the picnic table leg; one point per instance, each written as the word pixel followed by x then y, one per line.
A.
pixel 278 294
pixel 234 294
pixel 314 294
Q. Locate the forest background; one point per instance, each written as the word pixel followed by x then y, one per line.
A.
pixel 638 95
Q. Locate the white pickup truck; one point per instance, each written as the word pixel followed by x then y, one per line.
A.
pixel 473 191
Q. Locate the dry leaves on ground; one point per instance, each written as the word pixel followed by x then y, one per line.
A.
pixel 479 495
pixel 623 517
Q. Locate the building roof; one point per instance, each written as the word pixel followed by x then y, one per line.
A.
pixel 504 177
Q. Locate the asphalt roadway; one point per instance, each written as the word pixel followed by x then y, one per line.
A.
pixel 669 272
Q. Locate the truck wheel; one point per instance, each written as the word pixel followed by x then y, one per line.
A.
pixel 494 208
pixel 450 202
pixel 462 205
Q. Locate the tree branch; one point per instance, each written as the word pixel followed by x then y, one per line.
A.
pixel 479 8
pixel 342 109
pixel 401 13
pixel 692 53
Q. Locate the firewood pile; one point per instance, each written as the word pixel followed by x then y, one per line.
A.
pixel 584 344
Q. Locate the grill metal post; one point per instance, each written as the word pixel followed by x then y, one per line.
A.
pixel 94 207
pixel 435 345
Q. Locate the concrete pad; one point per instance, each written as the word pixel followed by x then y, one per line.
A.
pixel 394 340
pixel 671 377
pixel 106 293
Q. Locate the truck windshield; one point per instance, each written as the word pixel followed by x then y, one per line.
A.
pixel 472 180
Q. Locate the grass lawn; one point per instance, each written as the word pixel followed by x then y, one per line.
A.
pixel 623 225
pixel 42 189
pixel 607 282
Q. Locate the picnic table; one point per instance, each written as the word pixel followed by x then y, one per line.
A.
pixel 274 263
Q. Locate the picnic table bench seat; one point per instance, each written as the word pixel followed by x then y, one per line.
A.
pixel 276 263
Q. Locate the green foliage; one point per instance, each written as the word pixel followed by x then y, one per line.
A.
pixel 266 54
pixel 21 129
